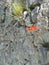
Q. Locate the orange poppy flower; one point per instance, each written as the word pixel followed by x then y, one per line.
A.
pixel 33 28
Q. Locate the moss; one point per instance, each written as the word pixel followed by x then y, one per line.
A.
pixel 33 6
pixel 46 45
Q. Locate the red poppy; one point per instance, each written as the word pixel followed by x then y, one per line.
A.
pixel 34 28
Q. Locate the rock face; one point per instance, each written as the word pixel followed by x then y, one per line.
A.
pixel 20 47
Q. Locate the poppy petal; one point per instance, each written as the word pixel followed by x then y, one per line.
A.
pixel 34 28
pixel 28 28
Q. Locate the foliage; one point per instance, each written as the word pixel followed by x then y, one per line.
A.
pixel 17 9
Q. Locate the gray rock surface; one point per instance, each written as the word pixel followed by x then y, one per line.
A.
pixel 19 47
